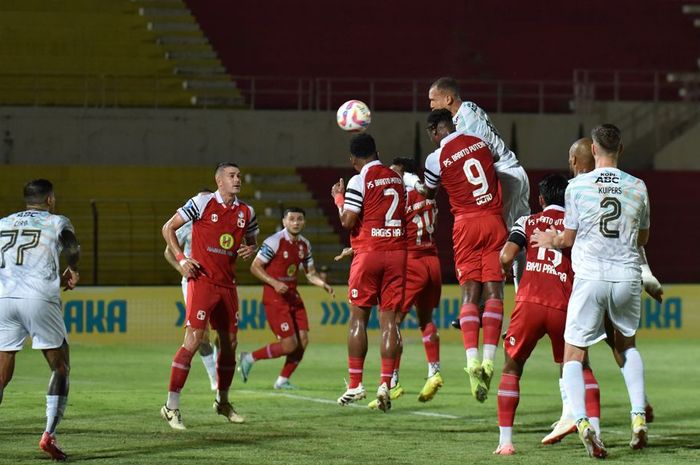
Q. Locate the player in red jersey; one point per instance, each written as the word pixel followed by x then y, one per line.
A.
pixel 423 280
pixel 373 208
pixel 463 165
pixel 540 308
pixel 276 264
pixel 220 225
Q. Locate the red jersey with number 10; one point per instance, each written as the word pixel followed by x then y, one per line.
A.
pixel 377 195
pixel 420 223
pixel 464 166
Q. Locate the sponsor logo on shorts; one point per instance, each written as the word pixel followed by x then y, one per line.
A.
pixel 201 315
pixel 511 340
pixel 354 293
pixel 226 241
pixel 214 217
pixel 285 326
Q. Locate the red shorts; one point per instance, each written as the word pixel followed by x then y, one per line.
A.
pixel 531 321
pixel 286 317
pixel 208 302
pixel 477 246
pixel 378 277
pixel 423 282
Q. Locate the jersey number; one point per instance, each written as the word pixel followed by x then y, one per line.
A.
pixel 389 220
pixel 607 217
pixel 542 254
pixel 423 223
pixel 477 180
pixel 33 234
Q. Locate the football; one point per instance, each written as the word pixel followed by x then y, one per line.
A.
pixel 353 116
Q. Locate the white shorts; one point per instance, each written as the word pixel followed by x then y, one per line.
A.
pixel 591 300
pixel 41 320
pixel 515 188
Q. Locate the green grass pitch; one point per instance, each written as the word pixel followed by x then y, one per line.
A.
pixel 116 393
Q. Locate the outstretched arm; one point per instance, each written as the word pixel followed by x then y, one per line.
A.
pixel 314 278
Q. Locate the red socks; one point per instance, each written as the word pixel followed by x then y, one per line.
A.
pixel 592 394
pixel 388 365
pixel 355 365
pixel 492 321
pixel 431 343
pixel 469 322
pixel 269 351
pixel 179 370
pixel 508 399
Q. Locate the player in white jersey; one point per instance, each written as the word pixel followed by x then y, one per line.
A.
pixel 470 119
pixel 31 242
pixel 206 349
pixel 607 219
pixel 580 162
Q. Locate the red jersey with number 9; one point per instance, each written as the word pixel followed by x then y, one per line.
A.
pixel 420 223
pixel 464 166
pixel 377 195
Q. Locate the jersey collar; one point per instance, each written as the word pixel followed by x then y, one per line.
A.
pixel 554 207
pixel 369 165
pixel 448 138
pixel 288 237
pixel 221 200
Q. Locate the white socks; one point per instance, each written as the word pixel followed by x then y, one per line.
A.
pixel 472 354
pixel 173 402
pixel 506 436
pixel 572 375
pixel 489 352
pixel 565 408
pixel 433 368
pixel 633 372
pixel 210 364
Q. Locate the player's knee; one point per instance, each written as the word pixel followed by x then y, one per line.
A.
pixel 205 349
pixel 289 345
pixel 61 369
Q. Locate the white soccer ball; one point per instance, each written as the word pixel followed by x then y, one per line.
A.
pixel 353 116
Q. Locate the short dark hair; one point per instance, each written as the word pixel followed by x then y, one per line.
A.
pixel 447 84
pixel 293 210
pixel 552 189
pixel 37 191
pixel 408 164
pixel 225 164
pixel 439 116
pixel 608 136
pixel 362 146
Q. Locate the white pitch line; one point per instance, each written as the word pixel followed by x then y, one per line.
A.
pixel 332 402
pixel 675 438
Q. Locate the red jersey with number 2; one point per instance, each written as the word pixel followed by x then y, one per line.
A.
pixel 377 195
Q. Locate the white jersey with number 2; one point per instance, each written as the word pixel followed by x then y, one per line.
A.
pixel 607 207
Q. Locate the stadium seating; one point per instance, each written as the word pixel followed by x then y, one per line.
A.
pixel 108 53
pixel 118 213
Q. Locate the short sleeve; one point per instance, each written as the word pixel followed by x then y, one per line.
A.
pixel 192 210
pixel 253 229
pixel 63 224
pixel 645 216
pixel 354 194
pixel 308 260
pixel 268 249
pixel 432 170
pixel 517 232
pixel 571 217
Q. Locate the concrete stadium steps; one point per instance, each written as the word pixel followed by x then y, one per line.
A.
pixel 133 202
pixel 108 56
